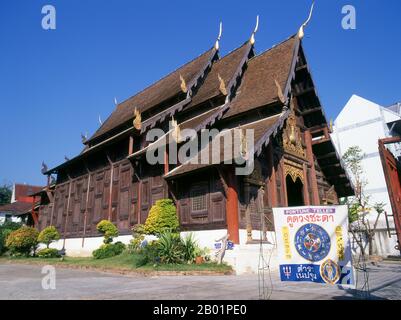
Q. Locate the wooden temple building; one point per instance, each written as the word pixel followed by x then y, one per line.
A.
pixel 272 93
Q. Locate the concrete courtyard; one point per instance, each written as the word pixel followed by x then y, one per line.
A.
pixel 19 281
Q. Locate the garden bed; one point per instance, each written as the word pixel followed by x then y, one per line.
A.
pixel 125 264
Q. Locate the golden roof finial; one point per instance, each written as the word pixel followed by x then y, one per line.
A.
pixel 183 84
pixel 137 120
pixel 301 32
pixel 252 40
pixel 222 86
pixel 217 44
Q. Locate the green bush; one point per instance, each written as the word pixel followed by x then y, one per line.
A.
pixel 162 217
pixel 170 248
pixel 138 230
pixel 148 254
pixel 22 241
pixel 5 229
pixel 108 230
pixel 48 235
pixel 135 244
pixel 108 250
pixel 190 248
pixel 48 253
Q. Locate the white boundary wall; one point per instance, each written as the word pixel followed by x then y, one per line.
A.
pixel 244 258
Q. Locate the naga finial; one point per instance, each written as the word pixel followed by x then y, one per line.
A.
pixel 184 87
pixel 222 86
pixel 44 167
pixel 280 94
pixel 176 130
pixel 84 137
pixel 252 40
pixel 301 32
pixel 137 120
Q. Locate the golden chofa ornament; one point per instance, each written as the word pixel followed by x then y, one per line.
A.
pixel 183 84
pixel 222 86
pixel 137 120
pixel 176 130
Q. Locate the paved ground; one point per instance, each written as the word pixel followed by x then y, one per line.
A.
pixel 25 282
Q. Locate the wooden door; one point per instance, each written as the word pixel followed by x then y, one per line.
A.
pixel 392 175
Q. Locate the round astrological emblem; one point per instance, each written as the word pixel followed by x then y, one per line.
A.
pixel 330 271
pixel 312 242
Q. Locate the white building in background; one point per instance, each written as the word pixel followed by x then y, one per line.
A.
pixel 362 123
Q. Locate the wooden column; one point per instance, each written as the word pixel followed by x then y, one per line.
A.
pixel 131 145
pixel 272 185
pixel 35 218
pixel 68 209
pixel 284 196
pixel 86 206
pixel 248 212
pixel 111 187
pixel 166 165
pixel 306 186
pixel 309 154
pixel 232 206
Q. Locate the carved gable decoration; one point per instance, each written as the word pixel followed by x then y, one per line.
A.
pixel 292 141
pixel 294 170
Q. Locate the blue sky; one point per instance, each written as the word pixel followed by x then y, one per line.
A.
pixel 54 84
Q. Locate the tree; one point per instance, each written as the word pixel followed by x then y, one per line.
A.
pixel 48 235
pixel 22 241
pixel 5 193
pixel 359 205
pixel 162 218
pixel 108 230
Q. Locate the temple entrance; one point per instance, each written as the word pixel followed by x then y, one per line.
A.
pixel 295 194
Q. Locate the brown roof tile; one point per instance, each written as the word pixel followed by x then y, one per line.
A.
pixel 258 87
pixel 16 207
pixel 225 67
pixel 226 149
pixel 162 90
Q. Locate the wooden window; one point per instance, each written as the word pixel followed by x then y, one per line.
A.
pixel 199 198
pixel 145 192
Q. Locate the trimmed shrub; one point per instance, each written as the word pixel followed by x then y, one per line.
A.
pixel 22 241
pixel 5 229
pixel 138 230
pixel 48 253
pixel 108 230
pixel 162 217
pixel 109 250
pixel 48 235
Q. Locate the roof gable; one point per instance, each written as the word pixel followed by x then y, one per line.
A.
pixel 162 90
pixel 258 87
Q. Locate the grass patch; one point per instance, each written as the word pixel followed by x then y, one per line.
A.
pixel 123 262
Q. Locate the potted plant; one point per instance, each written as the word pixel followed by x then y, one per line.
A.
pixel 201 255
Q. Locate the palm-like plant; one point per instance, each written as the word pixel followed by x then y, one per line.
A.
pixel 170 248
